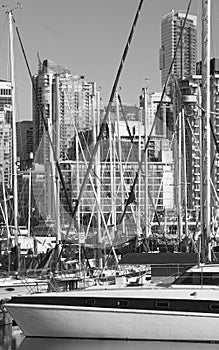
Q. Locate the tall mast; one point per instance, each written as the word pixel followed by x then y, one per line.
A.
pixel 138 209
pixel 120 158
pixel 98 173
pixel 57 150
pixel 95 120
pixel 146 204
pixel 205 131
pixel 185 174
pixel 14 140
pixel 29 195
pixel 179 206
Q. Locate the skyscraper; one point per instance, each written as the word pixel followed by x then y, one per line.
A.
pixel 185 62
pixel 62 107
pixel 65 101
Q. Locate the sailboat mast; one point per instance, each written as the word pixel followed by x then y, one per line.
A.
pixel 29 196
pixel 14 141
pixel 185 174
pixel 205 132
pixel 146 204
pixel 179 206
pixel 57 150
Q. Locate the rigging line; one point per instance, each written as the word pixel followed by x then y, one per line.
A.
pixel 126 121
pixel 96 202
pixel 214 137
pixel 3 30
pixel 157 112
pixel 102 128
pixel 88 150
pixel 216 145
pixel 45 124
pixel 84 158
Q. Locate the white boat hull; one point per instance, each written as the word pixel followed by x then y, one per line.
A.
pixel 79 344
pixel 77 322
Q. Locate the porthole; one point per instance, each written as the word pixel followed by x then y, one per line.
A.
pixel 214 307
pixel 90 302
pixel 162 304
pixel 122 303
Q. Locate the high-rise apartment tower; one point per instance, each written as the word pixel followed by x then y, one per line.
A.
pixel 65 102
pixel 185 62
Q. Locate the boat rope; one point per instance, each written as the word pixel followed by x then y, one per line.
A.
pixel 101 181
pixel 126 121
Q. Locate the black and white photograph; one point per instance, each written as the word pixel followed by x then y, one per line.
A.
pixel 109 174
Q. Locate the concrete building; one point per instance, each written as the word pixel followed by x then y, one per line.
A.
pixel 65 102
pixel 185 62
pixel 63 105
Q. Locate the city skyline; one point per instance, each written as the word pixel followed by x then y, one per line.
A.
pixel 88 38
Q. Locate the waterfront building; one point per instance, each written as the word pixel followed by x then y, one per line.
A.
pixel 185 62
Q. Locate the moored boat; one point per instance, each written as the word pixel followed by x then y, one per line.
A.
pixel 187 310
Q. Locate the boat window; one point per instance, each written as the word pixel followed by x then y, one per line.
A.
pixel 211 278
pixel 187 278
pixel 198 278
pixel 214 307
pixel 90 302
pixel 10 289
pixel 122 303
pixel 162 304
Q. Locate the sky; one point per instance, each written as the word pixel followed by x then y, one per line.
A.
pixel 88 38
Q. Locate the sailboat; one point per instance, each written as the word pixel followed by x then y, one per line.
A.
pixel 186 310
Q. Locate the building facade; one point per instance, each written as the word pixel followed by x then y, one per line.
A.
pixel 62 104
pixel 185 61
